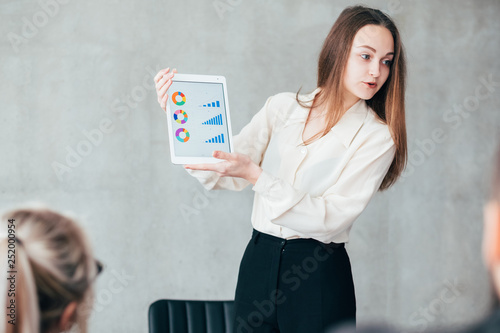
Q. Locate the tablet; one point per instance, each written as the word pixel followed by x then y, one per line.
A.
pixel 198 118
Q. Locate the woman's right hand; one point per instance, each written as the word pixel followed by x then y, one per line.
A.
pixel 163 80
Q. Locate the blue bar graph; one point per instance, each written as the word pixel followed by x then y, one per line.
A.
pixel 217 120
pixel 211 105
pixel 216 139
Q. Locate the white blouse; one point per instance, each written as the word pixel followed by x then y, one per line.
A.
pixel 314 191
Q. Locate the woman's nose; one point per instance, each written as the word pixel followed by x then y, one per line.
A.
pixel 374 69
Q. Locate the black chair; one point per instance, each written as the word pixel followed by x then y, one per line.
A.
pixel 177 316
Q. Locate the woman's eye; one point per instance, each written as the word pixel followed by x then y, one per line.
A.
pixel 365 56
pixel 387 62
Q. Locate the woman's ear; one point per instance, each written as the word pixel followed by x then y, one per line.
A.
pixel 491 234
pixel 68 317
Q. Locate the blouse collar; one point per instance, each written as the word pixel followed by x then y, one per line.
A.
pixel 346 128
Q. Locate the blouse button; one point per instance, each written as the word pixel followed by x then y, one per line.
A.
pixel 303 150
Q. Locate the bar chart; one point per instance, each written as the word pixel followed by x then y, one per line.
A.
pixel 215 104
pixel 216 139
pixel 217 120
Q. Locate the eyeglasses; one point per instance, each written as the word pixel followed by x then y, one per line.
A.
pixel 100 266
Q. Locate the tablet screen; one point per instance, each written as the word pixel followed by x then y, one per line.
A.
pixel 199 122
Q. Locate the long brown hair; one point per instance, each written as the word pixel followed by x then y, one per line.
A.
pixel 388 103
pixel 54 265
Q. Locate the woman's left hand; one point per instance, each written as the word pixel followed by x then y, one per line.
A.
pixel 233 165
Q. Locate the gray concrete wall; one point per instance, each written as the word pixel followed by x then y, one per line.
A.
pixel 84 69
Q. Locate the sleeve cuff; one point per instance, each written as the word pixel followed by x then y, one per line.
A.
pixel 263 183
pixel 207 178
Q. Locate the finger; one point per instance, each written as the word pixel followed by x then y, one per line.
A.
pixel 175 70
pixel 164 89
pixel 163 103
pixel 163 80
pixel 222 155
pixel 160 74
pixel 204 167
pixel 163 92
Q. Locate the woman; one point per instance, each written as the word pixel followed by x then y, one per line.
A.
pixel 53 270
pixel 314 161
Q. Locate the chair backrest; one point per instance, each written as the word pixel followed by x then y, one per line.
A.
pixel 177 316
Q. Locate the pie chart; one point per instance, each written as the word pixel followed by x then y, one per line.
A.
pixel 180 116
pixel 182 135
pixel 177 100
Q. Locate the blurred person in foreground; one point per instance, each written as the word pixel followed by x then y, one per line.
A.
pixel 47 271
pixel 491 249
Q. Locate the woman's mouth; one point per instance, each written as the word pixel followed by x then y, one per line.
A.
pixel 371 84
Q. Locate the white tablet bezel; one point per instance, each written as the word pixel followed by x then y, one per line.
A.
pixel 198 79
